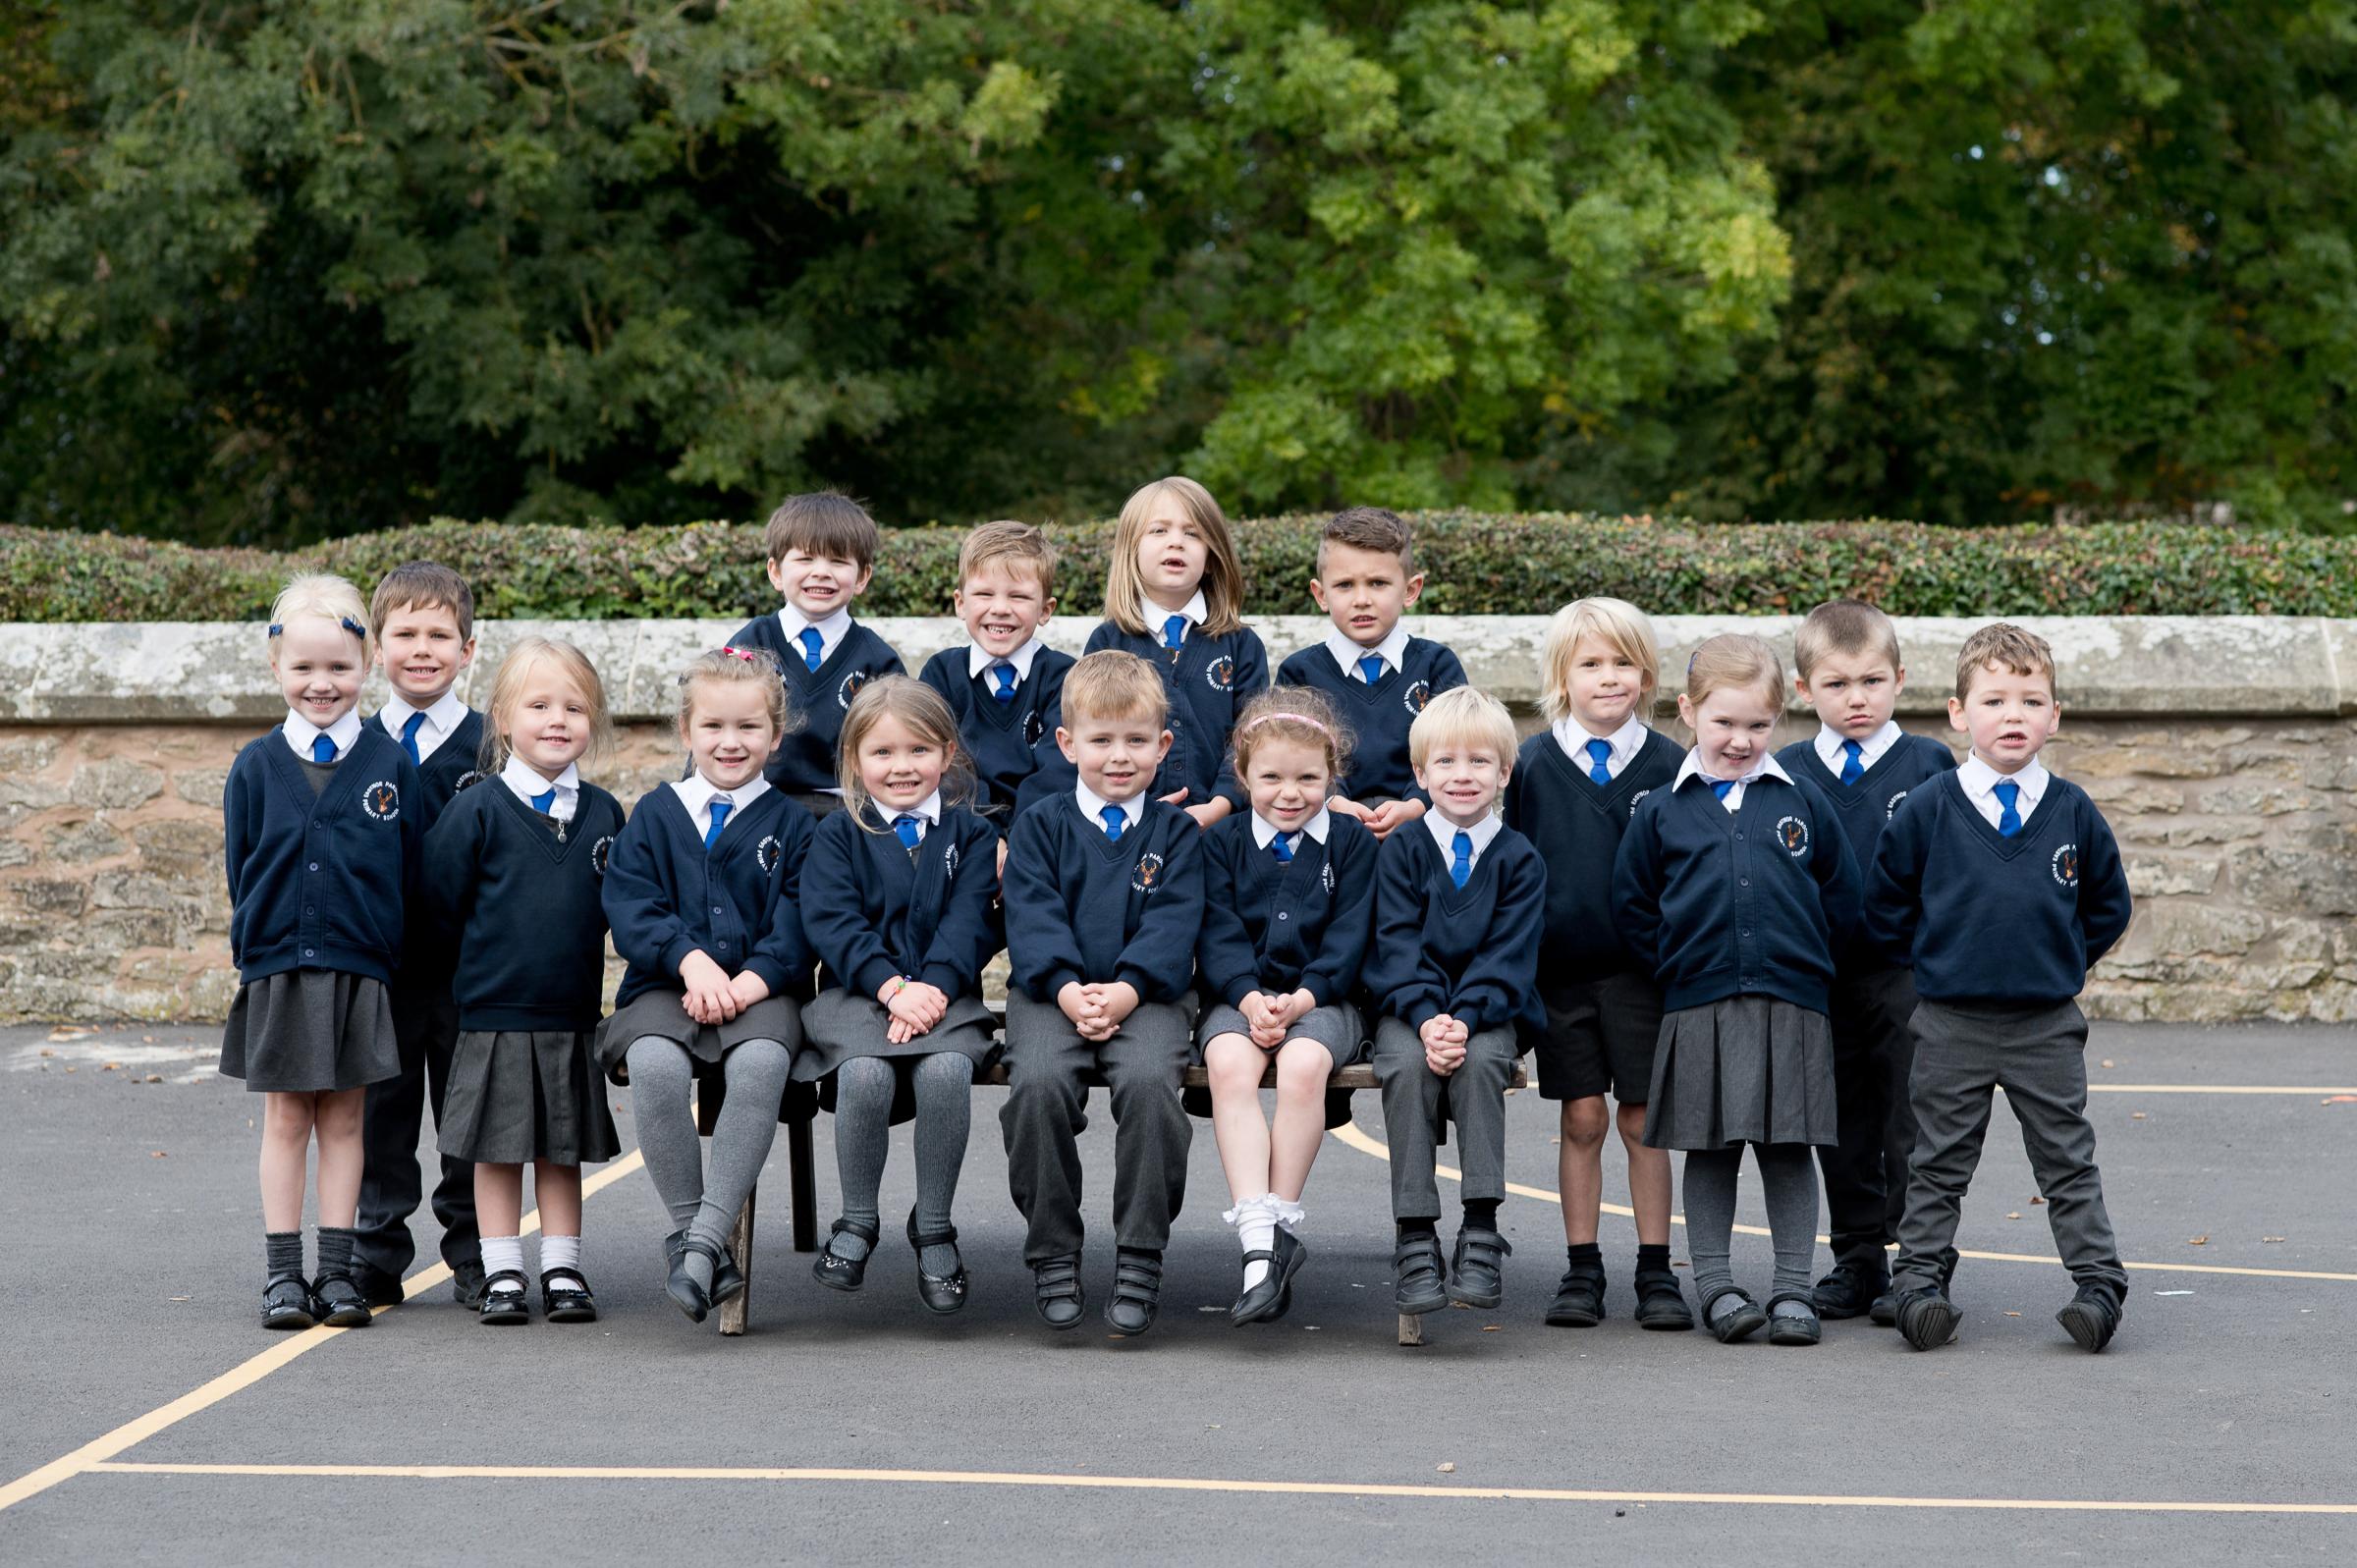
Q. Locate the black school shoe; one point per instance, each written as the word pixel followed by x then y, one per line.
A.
pixel 337 1302
pixel 832 1269
pixel 1885 1310
pixel 728 1281
pixel 1136 1292
pixel 378 1287
pixel 1849 1291
pixel 505 1303
pixel 941 1293
pixel 286 1302
pixel 1661 1304
pixel 1419 1278
pixel 1793 1328
pixel 1740 1321
pixel 565 1297
pixel 2092 1318
pixel 1055 1291
pixel 1477 1273
pixel 1270 1299
pixel 467 1282
pixel 1928 1319
pixel 1578 1298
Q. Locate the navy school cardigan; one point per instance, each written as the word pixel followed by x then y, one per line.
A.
pixel 1471 953
pixel 871 911
pixel 1082 908
pixel 1208 684
pixel 1278 927
pixel 452 767
pixel 1380 715
pixel 320 882
pixel 739 903
pixel 1005 742
pixel 804 761
pixel 1576 825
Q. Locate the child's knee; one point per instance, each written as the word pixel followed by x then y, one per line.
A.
pixel 1584 1121
pixel 1631 1121
pixel 338 1115
pixel 1302 1070
pixel 288 1117
pixel 1233 1066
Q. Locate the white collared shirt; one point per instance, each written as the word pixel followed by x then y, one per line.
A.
pixel 1733 799
pixel 1092 806
pixel 1625 741
pixel 521 776
pixel 301 733
pixel 830 631
pixel 927 813
pixel 442 720
pixel 1444 833
pixel 1871 750
pixel 1196 609
pixel 1980 781
pixel 1391 649
pixel 980 659
pixel 696 793
pixel 1264 831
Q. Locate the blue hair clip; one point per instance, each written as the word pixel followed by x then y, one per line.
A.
pixel 355 627
pixel 277 630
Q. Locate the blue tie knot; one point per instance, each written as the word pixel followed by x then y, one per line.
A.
pixel 1853 761
pixel 1003 673
pixel 905 824
pixel 546 803
pixel 323 749
pixel 409 737
pixel 1114 817
pixel 1600 756
pixel 811 642
pixel 2008 797
pixel 1370 669
pixel 1460 869
pixel 1720 787
pixel 1281 847
pixel 721 805
pixel 1174 633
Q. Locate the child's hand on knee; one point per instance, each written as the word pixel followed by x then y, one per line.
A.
pixel 1077 1004
pixel 708 998
pixel 1117 1002
pixel 1443 1053
pixel 915 1006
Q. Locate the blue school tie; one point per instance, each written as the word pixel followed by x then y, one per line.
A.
pixel 1003 673
pixel 1600 754
pixel 1282 848
pixel 1720 787
pixel 409 737
pixel 1173 636
pixel 721 807
pixel 323 749
pixel 905 826
pixel 2008 820
pixel 1113 819
pixel 811 644
pixel 546 803
pixel 1853 761
pixel 1460 870
pixel 1370 669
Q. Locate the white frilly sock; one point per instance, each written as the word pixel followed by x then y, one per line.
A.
pixel 1255 1222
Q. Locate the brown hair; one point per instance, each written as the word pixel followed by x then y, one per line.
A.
pixel 736 666
pixel 2011 648
pixel 1223 575
pixel 1736 658
pixel 1619 625
pixel 919 708
pixel 1113 685
pixel 824 522
pixel 1011 547
pixel 506 689
pixel 1843 626
pixel 422 585
pixel 1370 528
pixel 1462 714
pixel 1302 715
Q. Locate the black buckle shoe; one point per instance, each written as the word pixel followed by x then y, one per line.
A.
pixel 1057 1293
pixel 1740 1321
pixel 1136 1292
pixel 337 1302
pixel 1272 1296
pixel 565 1297
pixel 1578 1298
pixel 2092 1318
pixel 1848 1291
pixel 1793 1328
pixel 1418 1280
pixel 286 1302
pixel 728 1281
pixel 1928 1319
pixel 1661 1301
pixel 942 1294
pixel 378 1287
pixel 505 1303
pixel 467 1282
pixel 832 1269
pixel 686 1292
pixel 1477 1271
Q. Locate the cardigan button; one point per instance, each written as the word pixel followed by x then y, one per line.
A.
pixel 314 865
pixel 716 910
pixel 1280 914
pixel 310 952
pixel 1742 882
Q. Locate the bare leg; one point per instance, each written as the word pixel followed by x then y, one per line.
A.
pixel 1647 1178
pixel 286 1121
pixel 499 1199
pixel 1234 1066
pixel 342 1153
pixel 1302 1067
pixel 1579 1167
pixel 557 1190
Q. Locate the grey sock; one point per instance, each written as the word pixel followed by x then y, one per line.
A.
pixel 945 1090
pixel 1788 1179
pixel 755 1072
pixel 1709 1196
pixel 282 1251
pixel 863 1091
pixel 334 1250
pixel 661 1076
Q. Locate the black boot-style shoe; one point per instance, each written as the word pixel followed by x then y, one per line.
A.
pixel 1057 1293
pixel 1478 1270
pixel 1419 1280
pixel 1661 1303
pixel 2092 1318
pixel 1848 1291
pixel 1136 1292
pixel 1578 1298
pixel 1928 1319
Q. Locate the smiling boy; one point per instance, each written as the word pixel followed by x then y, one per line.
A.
pixel 1005 687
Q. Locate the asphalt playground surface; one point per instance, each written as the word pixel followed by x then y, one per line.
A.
pixel 144 1417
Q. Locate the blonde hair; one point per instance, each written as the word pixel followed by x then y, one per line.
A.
pixel 1011 547
pixel 1223 575
pixel 2010 647
pixel 1465 716
pixel 824 522
pixel 506 689
pixel 322 595
pixel 725 667
pixel 1843 626
pixel 1113 685
pixel 920 709
pixel 1302 715
pixel 1736 658
pixel 1620 626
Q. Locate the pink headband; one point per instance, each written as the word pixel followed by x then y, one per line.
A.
pixel 1298 718
pixel 747 654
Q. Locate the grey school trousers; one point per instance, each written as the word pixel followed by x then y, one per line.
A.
pixel 1412 1108
pixel 2037 1054
pixel 1047 1109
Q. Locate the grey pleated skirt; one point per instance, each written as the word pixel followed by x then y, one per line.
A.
pixel 838 1025
pixel 303 1031
pixel 1745 1069
pixel 660 1013
pixel 518 1096
pixel 1335 1026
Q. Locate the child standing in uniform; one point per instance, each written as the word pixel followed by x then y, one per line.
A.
pixel 1575 785
pixel 1368 664
pixel 2003 883
pixel 1005 687
pixel 899 899
pixel 1735 884
pixel 1846 655
pixel 703 896
pixel 421 620
pixel 1173 596
pixel 1104 895
pixel 515 869
pixel 822 550
pixel 1460 903
pixel 322 843
pixel 1289 904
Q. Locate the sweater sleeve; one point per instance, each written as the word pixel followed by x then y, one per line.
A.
pixel 1106 635
pixel 1251 679
pixel 1494 986
pixel 1840 889
pixel 1637 886
pixel 1333 971
pixel 1894 903
pixel 835 917
pixel 1043 955
pixel 1224 953
pixel 936 673
pixel 413 849
pixel 782 957
pixel 648 931
pixel 1400 981
pixel 241 831
pixel 2105 903
pixel 454 858
pixel 1159 958
pixel 969 932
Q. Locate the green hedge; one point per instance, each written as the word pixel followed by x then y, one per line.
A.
pixel 1475 563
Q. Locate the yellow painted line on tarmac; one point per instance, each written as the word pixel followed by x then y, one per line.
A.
pixel 97 1452
pixel 1196 1484
pixel 1353 1136
pixel 2215 1088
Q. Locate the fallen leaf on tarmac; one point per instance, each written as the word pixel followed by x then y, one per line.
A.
pixel 183 1298
pixel 2106 1061
pixel 1445 1468
pixel 2335 1099
pixel 2197 1241
pixel 69 1032
pixel 48 1052
pixel 2037 1200
pixel 2135 1115
pixel 112 1066
pixel 2012 1314
pixel 2015 1215
pixel 1489 1328
pixel 2270 1238
pixel 147 1040
pixel 153 1077
pixel 157 1154
pixel 73 1069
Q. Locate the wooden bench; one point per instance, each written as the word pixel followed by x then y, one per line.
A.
pixel 800 1109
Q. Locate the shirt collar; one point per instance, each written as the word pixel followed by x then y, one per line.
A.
pixel 301 733
pixel 695 792
pixel 1317 826
pixel 1092 806
pixel 1980 780
pixel 1692 769
pixel 1870 749
pixel 520 777
pixel 929 808
pixel 1443 832
pixel 830 629
pixel 1347 654
pixel 443 716
pixel 980 659
pixel 1196 611
pixel 1625 741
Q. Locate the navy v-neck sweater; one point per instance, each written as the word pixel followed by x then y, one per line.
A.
pixel 1379 715
pixel 451 767
pixel 1005 742
pixel 1912 762
pixel 1471 952
pixel 871 911
pixel 1278 927
pixel 1083 910
pixel 804 761
pixel 1209 684
pixel 739 903
pixel 1576 825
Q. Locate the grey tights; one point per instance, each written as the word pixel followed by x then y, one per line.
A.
pixel 1787 1178
pixel 661 1075
pixel 863 1094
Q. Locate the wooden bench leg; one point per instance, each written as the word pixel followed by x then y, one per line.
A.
pixel 733 1314
pixel 1411 1328
pixel 805 1196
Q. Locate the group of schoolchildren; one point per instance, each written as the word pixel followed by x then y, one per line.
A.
pixel 1830 954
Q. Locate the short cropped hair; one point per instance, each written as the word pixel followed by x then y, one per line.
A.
pixel 1011 547
pixel 1112 685
pixel 2011 648
pixel 1736 658
pixel 1466 716
pixel 319 594
pixel 1619 625
pixel 422 585
pixel 1843 626
pixel 1371 529
pixel 824 522
pixel 506 689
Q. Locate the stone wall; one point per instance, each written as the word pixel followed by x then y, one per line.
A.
pixel 2223 751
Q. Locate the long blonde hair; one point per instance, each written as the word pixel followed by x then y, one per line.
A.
pixel 1615 623
pixel 506 689
pixel 1223 573
pixel 920 709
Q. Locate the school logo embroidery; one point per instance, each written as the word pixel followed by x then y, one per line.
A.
pixel 1891 806
pixel 600 852
pixel 1794 835
pixel 1325 876
pixel 1148 872
pixel 849 688
pixel 1635 799
pixel 381 801
pixel 468 779
pixel 1417 694
pixel 766 853
pixel 1036 725
pixel 949 863
pixel 2065 866
pixel 1220 673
